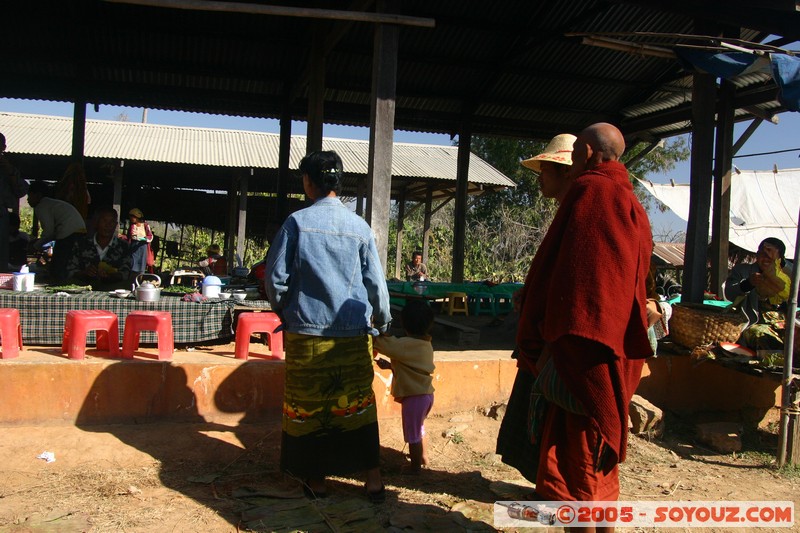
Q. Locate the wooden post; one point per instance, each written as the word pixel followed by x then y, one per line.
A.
pixel 426 225
pixel 398 253
pixel 722 187
pixel 462 182
pixel 703 107
pixel 116 178
pixel 242 230
pixel 361 187
pixel 381 134
pixel 284 153
pixel 230 234
pixel 316 91
pixel 163 248
pixel 793 443
pixel 78 130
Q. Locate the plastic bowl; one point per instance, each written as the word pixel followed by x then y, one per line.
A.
pixel 240 295
pixel 122 293
pixel 224 295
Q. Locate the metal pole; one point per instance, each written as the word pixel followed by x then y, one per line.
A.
pixel 788 347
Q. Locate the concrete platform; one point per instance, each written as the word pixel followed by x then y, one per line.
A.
pixel 710 391
pixel 43 387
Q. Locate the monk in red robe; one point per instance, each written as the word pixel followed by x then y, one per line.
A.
pixel 583 323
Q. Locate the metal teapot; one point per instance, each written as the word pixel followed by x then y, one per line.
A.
pixel 148 291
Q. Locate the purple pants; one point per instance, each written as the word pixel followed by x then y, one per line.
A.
pixel 414 410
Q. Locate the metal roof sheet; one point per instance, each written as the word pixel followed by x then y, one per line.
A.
pixel 672 253
pixel 50 135
pixel 511 68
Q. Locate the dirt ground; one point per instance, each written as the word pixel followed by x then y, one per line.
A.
pixel 186 477
pixel 207 478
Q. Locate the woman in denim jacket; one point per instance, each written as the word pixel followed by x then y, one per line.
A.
pixel 326 282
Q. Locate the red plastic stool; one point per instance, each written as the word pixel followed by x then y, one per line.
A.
pixel 158 321
pixel 258 323
pixel 79 323
pixel 10 333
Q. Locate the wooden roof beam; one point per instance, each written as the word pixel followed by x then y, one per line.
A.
pixel 284 11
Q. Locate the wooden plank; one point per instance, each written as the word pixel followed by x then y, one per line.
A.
pixel 285 11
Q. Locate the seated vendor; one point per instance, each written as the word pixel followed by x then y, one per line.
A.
pixel 762 289
pixel 102 260
pixel 416 269
pixel 214 264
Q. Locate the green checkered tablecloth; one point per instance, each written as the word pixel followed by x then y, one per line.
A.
pixel 43 315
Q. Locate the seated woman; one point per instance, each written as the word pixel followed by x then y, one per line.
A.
pixel 214 264
pixel 762 289
pixel 101 260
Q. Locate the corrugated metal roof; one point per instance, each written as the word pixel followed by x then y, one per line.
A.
pixel 508 68
pixel 49 135
pixel 671 253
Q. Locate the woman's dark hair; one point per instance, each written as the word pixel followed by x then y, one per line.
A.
pixel 417 318
pixel 324 169
pixel 777 243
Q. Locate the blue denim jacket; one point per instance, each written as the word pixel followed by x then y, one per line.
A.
pixel 323 274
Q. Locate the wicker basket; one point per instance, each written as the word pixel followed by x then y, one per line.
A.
pixel 702 325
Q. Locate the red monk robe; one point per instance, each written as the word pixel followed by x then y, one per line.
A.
pixel 585 299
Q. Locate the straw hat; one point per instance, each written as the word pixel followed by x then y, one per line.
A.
pixel 559 150
pixel 137 213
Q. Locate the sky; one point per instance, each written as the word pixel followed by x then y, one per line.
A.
pixel 767 138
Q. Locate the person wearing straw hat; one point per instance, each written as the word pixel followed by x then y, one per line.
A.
pixel 553 165
pixel 583 324
pixel 513 444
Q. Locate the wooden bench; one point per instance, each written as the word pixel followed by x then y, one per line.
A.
pixel 462 335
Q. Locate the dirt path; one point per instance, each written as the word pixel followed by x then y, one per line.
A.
pixel 186 477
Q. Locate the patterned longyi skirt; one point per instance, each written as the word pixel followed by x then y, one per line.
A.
pixel 330 421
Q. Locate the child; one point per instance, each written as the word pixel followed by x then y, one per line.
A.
pixel 214 264
pixel 412 364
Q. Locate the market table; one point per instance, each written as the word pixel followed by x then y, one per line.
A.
pixel 43 315
pixel 436 290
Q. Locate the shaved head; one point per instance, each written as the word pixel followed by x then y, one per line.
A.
pixel 606 139
pixel 596 144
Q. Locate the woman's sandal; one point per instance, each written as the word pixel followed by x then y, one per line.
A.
pixel 378 496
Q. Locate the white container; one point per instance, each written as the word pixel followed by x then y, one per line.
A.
pixel 212 286
pixel 23 281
